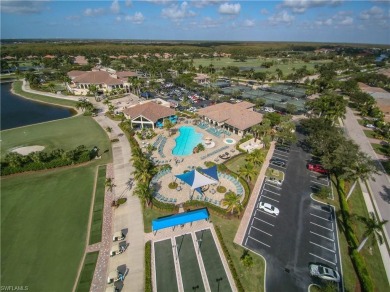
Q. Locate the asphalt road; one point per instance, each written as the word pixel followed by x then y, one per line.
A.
pixel 380 185
pixel 304 232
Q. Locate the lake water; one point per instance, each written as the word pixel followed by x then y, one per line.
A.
pixel 17 111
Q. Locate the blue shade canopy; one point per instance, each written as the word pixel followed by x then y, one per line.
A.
pixel 195 179
pixel 179 219
pixel 211 172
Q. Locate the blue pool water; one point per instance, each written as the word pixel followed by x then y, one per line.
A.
pixel 186 141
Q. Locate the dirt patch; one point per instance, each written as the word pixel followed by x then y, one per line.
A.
pixel 28 149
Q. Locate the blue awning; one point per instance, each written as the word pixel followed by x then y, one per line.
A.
pixel 211 172
pixel 179 219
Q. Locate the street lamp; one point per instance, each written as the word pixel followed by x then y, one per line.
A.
pixel 218 280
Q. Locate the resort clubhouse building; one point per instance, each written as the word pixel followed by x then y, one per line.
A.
pixel 149 115
pixel 237 118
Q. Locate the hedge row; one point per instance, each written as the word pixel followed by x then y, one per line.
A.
pixel 34 166
pixel 165 206
pixel 358 261
pixel 148 267
pixel 229 260
pixel 215 210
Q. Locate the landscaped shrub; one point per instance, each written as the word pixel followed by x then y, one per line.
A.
pixel 165 206
pixel 221 189
pixel 121 201
pixel 148 267
pixel 173 185
pixel 215 210
pixel 229 260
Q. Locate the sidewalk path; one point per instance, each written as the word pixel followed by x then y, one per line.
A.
pixel 252 201
pixel 380 186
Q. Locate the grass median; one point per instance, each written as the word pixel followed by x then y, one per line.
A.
pixel 86 275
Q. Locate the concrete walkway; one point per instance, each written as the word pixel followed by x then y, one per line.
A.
pixel 252 201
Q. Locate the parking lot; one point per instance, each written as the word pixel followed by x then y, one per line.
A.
pixel 303 232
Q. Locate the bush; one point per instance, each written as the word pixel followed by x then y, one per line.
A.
pixel 121 201
pixel 173 185
pixel 213 209
pixel 165 206
pixel 148 267
pixel 221 189
pixel 229 260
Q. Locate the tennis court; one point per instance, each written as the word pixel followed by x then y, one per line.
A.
pixel 165 266
pixel 190 271
pixel 215 271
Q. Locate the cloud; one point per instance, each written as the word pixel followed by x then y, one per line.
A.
pixel 327 22
pixel 137 18
pixel 203 3
pixel 300 6
pixel 281 18
pixel 115 8
pixel 22 7
pixel 73 17
pixel 159 2
pixel 118 18
pixel 93 12
pixel 348 20
pixel 374 12
pixel 208 22
pixel 249 23
pixel 231 9
pixel 177 12
pixel 264 11
pixel 128 3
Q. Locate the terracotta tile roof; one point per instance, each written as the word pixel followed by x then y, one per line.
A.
pixel 81 60
pixel 237 115
pixel 125 74
pixel 150 110
pixel 97 77
pixel 74 73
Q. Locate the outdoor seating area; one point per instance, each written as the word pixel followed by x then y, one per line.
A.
pixel 208 200
pixel 161 147
pixel 158 140
pixel 239 188
pixel 214 152
pixel 203 125
pixel 226 155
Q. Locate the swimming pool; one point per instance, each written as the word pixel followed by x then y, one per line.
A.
pixel 186 141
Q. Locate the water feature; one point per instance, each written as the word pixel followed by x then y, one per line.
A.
pixel 186 141
pixel 17 111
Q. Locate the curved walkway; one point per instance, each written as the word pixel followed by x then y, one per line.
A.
pixel 127 217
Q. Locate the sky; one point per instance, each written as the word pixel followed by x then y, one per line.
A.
pixel 342 21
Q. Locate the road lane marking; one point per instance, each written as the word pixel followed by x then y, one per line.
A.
pixel 321 226
pixel 261 230
pixel 263 221
pixel 281 154
pixel 322 258
pixel 322 246
pixel 327 238
pixel 264 196
pixel 266 213
pixel 272 185
pixel 258 241
pixel 326 219
pixel 318 183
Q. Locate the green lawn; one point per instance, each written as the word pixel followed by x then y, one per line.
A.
pixel 271 172
pixel 44 215
pixel 370 134
pixel 151 214
pixel 372 257
pixel 44 219
pixel 190 270
pixel 66 134
pixel 98 205
pixel 86 275
pixel 17 86
pixel 165 266
pixel 212 262
pixel 252 279
pixel 236 162
pixel 380 149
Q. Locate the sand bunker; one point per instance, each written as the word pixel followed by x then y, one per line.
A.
pixel 27 150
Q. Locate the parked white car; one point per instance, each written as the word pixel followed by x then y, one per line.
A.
pixel 269 110
pixel 269 208
pixel 274 181
pixel 323 272
pixel 371 126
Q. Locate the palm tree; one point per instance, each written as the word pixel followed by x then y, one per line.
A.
pixel 144 193
pixel 232 202
pixel 109 184
pixel 256 157
pixel 373 230
pixel 247 172
pixel 257 130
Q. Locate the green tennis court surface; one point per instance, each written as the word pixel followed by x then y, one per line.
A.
pixel 165 266
pixel 190 271
pixel 215 271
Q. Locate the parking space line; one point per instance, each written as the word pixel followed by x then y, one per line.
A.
pixel 327 238
pixel 321 226
pixel 313 174
pixel 281 154
pixel 263 220
pixel 284 159
pixel 261 230
pixel 272 185
pixel 322 258
pixel 318 183
pixel 270 198
pixel 322 246
pixel 269 192
pixel 258 241
pixel 326 219
pixel 266 213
